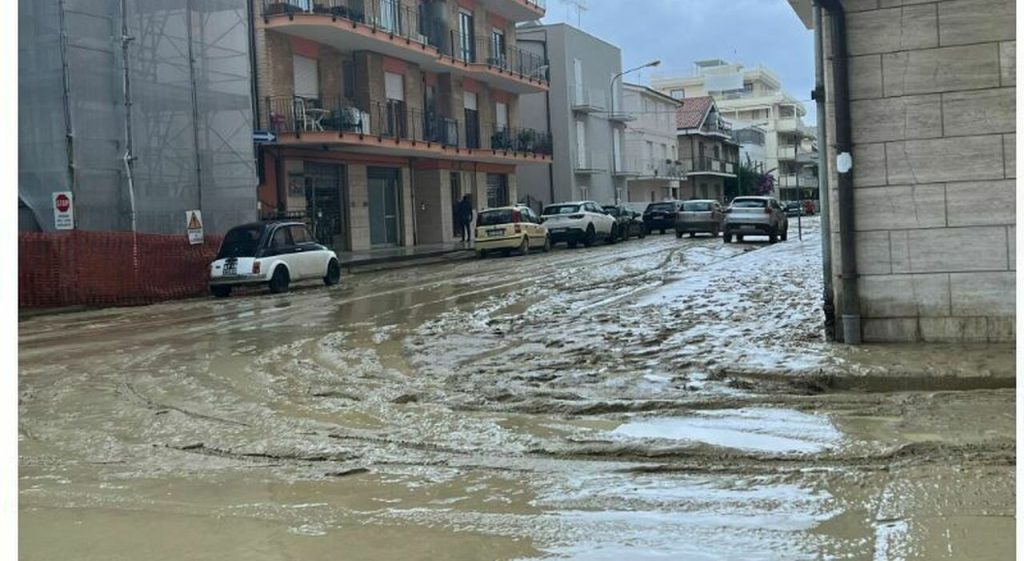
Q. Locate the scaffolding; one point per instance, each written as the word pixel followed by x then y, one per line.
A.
pixel 161 106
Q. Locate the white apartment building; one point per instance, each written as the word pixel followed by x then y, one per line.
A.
pixel 752 99
pixel 649 159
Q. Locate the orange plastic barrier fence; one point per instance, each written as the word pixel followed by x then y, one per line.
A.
pixel 109 268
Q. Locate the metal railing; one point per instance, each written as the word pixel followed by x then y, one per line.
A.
pixel 587 98
pixel 717 126
pixel 709 164
pixel 652 167
pixel 396 120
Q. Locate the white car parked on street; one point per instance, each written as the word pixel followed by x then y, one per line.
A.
pixel 579 222
pixel 276 253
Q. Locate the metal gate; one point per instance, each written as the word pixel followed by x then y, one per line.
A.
pixel 325 204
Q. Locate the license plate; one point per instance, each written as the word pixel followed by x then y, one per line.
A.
pixel 495 233
pixel 557 230
pixel 230 269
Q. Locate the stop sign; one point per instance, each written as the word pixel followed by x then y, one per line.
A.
pixel 63 203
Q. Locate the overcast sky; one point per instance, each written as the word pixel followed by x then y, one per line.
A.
pixel 678 32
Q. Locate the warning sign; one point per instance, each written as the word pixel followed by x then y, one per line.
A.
pixel 194 225
pixel 63 211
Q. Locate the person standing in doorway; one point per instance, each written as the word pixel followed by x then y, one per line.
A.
pixel 464 216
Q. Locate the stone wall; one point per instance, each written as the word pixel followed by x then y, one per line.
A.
pixel 933 92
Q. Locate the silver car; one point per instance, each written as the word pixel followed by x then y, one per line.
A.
pixel 755 216
pixel 699 216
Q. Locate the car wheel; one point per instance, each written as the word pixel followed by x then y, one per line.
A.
pixel 547 244
pixel 279 282
pixel 506 252
pixel 693 234
pixel 572 244
pixel 643 233
pixel 785 233
pixel 663 231
pixel 614 235
pixel 590 236
pixel 714 232
pixel 481 254
pixel 221 290
pixel 679 234
pixel 333 273
pixel 773 237
pixel 524 247
pixel 739 238
pixel 727 237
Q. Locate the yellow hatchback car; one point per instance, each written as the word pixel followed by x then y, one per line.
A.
pixel 509 228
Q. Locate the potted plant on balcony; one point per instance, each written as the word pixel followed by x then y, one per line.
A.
pixel 501 140
pixel 527 140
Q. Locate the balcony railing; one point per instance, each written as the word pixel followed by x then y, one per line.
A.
pixel 587 99
pixel 415 24
pixel 708 164
pixel 717 126
pixel 652 167
pixel 395 120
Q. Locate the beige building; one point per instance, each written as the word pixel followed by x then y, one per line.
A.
pixel 707 154
pixel 928 199
pixel 650 154
pixel 753 98
pixel 383 113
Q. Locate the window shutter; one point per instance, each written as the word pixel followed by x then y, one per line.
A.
pixel 305 76
pixel 469 100
pixel 501 115
pixel 394 87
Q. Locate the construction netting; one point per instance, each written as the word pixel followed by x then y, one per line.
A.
pixel 110 268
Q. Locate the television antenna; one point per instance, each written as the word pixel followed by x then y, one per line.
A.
pixel 580 6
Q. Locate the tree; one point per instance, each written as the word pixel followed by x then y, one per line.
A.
pixel 749 180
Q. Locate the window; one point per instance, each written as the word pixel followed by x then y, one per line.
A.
pixel 678 94
pixel 501 115
pixel 348 80
pixel 282 238
pixel 305 77
pixel 472 120
pixel 466 42
pixel 577 74
pixel 394 91
pixel 300 235
pixel 581 145
pixel 498 47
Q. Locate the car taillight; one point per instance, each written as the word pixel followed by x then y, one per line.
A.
pixel 515 217
pixel 255 267
pixel 575 216
pixel 767 210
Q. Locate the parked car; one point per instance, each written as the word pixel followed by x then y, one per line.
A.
pixel 794 208
pixel 277 253
pixel 763 216
pixel 701 216
pixel 579 222
pixel 509 228
pixel 661 216
pixel 630 222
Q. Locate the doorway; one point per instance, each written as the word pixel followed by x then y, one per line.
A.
pixel 456 190
pixel 326 205
pixel 383 188
pixel 497 190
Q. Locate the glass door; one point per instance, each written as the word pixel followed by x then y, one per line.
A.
pixel 384 207
pixel 466 48
pixel 325 204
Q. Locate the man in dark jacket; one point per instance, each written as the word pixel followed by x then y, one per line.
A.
pixel 464 217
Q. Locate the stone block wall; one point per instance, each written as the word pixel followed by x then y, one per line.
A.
pixel 933 93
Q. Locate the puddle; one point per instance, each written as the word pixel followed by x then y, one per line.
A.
pixel 760 430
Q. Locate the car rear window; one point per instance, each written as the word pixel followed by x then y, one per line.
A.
pixel 661 206
pixel 494 217
pixel 561 209
pixel 697 207
pixel 241 242
pixel 612 210
pixel 749 203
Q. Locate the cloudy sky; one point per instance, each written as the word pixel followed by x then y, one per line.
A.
pixel 678 32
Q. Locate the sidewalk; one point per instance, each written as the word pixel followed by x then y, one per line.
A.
pixel 388 255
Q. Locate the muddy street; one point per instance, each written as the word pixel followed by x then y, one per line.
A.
pixel 657 399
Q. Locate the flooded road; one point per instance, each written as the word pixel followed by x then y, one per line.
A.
pixel 657 399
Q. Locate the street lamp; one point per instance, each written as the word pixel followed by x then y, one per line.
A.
pixel 611 103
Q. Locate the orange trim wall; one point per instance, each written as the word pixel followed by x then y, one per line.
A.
pixel 305 47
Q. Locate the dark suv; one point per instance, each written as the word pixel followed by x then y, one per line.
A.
pixel 661 216
pixel 629 222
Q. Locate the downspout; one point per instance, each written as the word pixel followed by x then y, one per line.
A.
pixel 253 77
pixel 823 187
pixel 844 168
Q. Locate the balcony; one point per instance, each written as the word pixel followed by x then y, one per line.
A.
pixel 652 168
pixel 587 100
pixel 791 152
pixel 794 181
pixel 517 10
pixel 406 33
pixel 392 128
pixel 717 126
pixel 586 164
pixel 709 166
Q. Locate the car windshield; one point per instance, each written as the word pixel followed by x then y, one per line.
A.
pixel 241 242
pixel 561 209
pixel 494 217
pixel 749 203
pixel 697 207
pixel 661 206
pixel 612 210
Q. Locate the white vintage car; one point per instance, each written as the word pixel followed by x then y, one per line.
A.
pixel 276 253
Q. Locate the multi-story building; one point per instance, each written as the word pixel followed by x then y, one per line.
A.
pixel 650 156
pixel 706 150
pixel 384 113
pixel 754 98
pixel 581 111
pixel 923 184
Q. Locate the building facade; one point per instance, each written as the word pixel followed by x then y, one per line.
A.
pixel 186 142
pixel 581 110
pixel 932 117
pixel 650 161
pixel 383 114
pixel 707 153
pixel 754 99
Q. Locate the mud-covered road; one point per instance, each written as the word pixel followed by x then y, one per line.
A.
pixel 657 399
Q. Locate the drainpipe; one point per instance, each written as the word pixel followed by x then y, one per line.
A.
pixel 844 169
pixel 823 187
